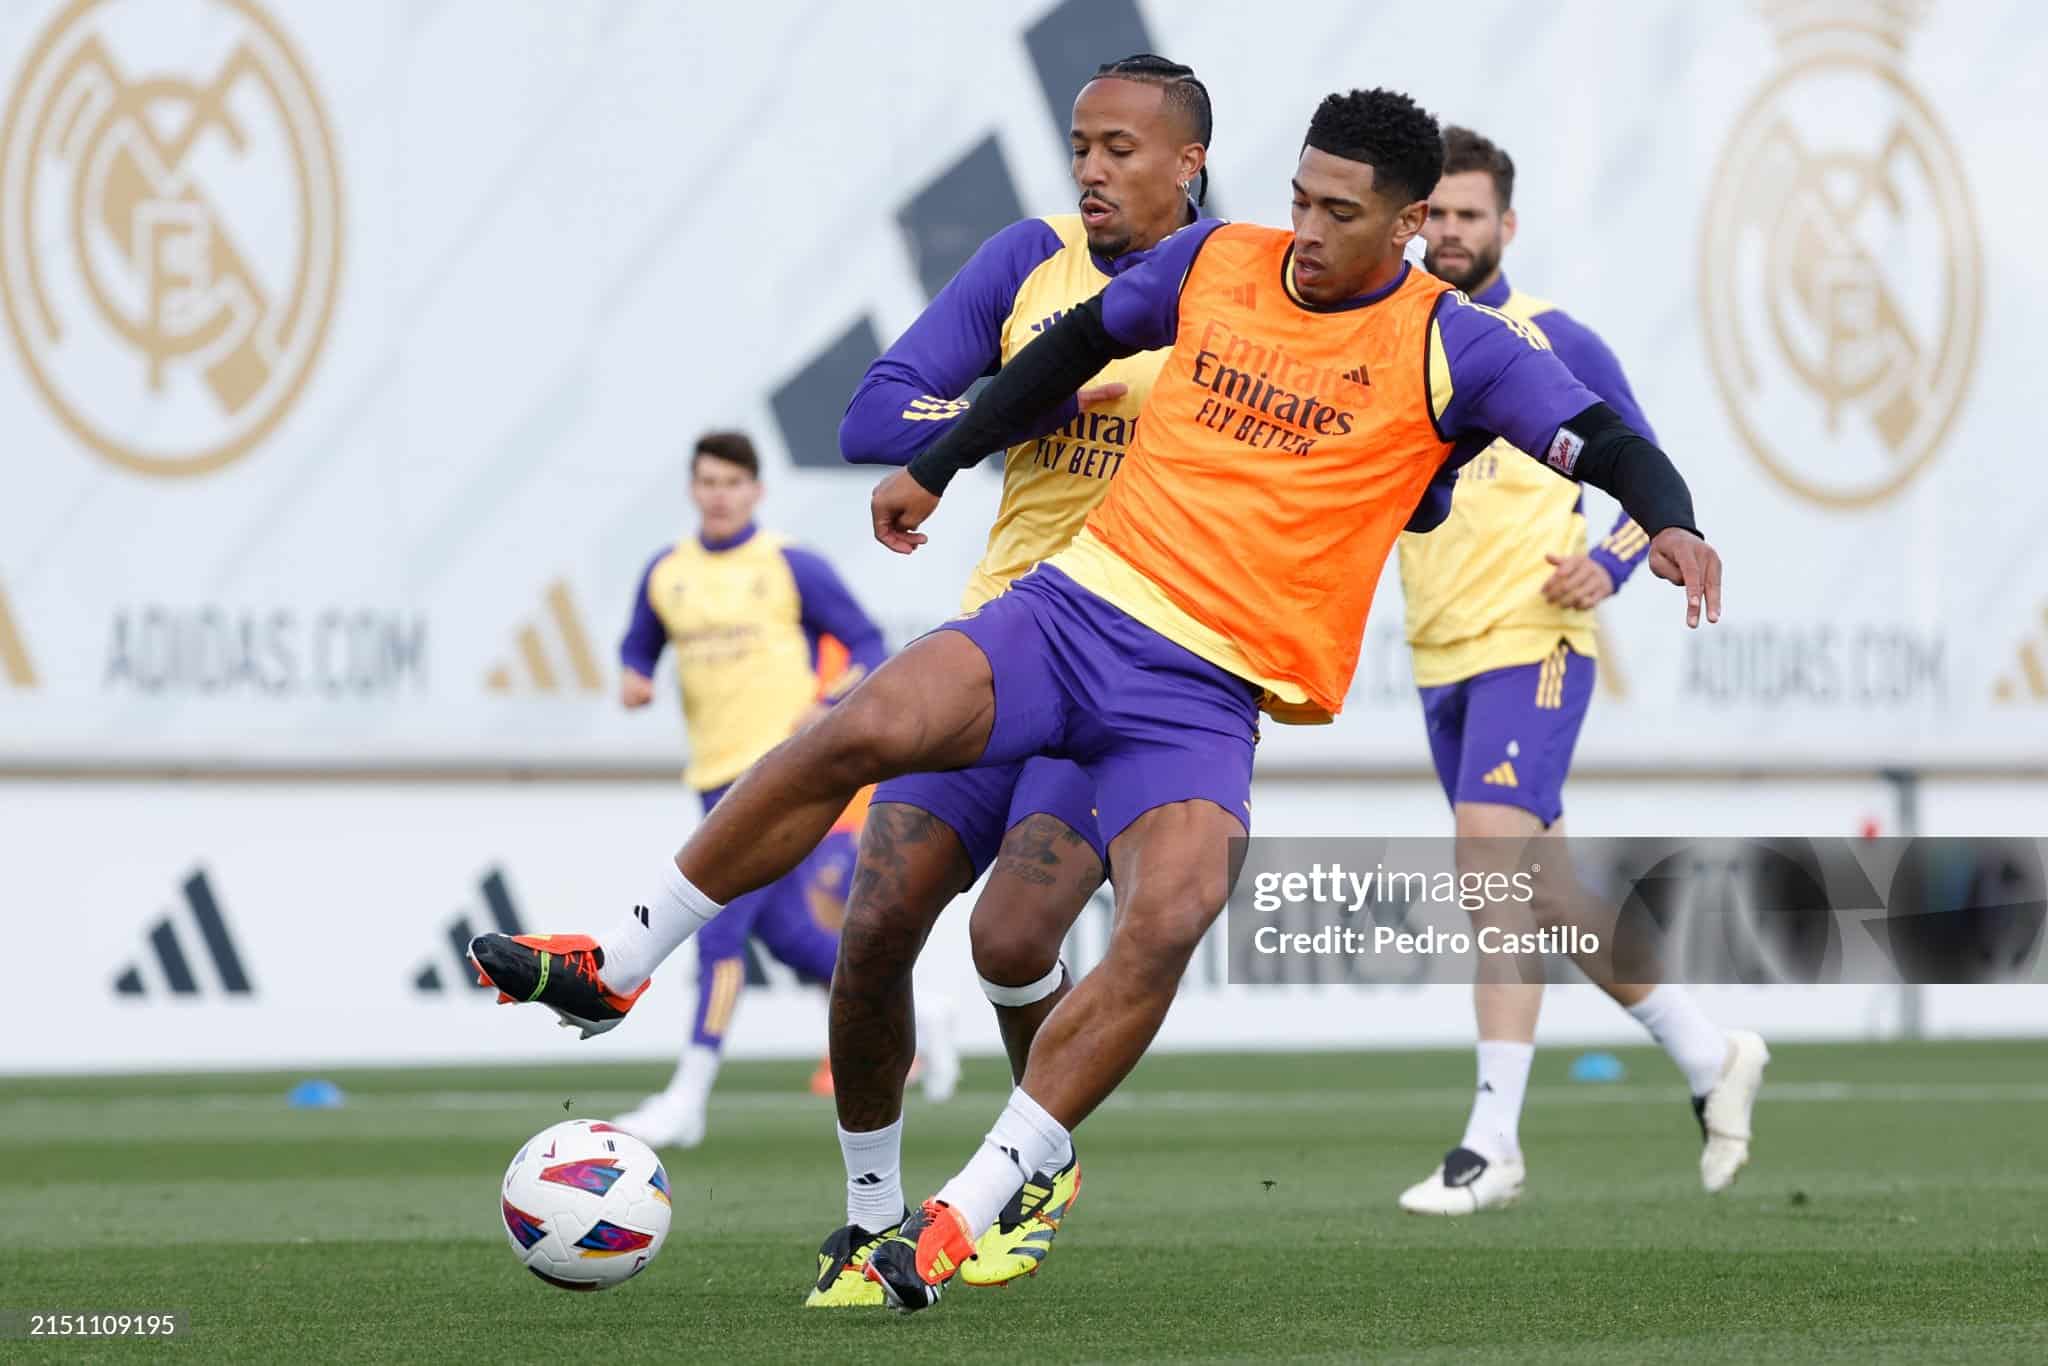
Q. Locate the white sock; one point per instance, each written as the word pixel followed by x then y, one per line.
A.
pixel 1025 1140
pixel 694 1076
pixel 874 1176
pixel 1494 1130
pixel 635 946
pixel 1681 1029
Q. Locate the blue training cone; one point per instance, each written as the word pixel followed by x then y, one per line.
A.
pixel 1597 1067
pixel 315 1095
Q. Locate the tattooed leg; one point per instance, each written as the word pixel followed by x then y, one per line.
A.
pixel 910 865
pixel 1041 881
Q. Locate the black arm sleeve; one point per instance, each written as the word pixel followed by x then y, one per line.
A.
pixel 1036 380
pixel 1641 477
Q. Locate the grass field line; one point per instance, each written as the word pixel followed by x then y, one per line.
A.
pixel 1183 1100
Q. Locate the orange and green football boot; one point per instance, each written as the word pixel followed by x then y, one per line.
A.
pixel 914 1261
pixel 560 971
pixel 1022 1234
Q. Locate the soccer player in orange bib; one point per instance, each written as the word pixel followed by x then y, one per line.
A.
pixel 1500 629
pixel 1139 134
pixel 1317 393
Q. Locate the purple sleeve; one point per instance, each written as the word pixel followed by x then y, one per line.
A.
pixel 1590 358
pixel 1502 382
pixel 645 635
pixel 912 393
pixel 1141 307
pixel 829 610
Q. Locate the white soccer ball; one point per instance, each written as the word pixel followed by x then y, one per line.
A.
pixel 585 1205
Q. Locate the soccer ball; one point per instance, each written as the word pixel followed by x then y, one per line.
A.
pixel 585 1205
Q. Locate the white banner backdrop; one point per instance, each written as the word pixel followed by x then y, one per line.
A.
pixel 354 350
pixel 286 925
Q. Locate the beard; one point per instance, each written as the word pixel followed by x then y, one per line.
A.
pixel 1480 263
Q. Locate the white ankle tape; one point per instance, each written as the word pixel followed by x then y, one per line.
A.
pixel 998 994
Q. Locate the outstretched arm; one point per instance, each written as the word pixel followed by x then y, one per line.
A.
pixel 1502 381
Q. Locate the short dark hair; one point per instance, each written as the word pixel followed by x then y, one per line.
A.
pixel 1183 90
pixel 1465 150
pixel 732 446
pixel 1387 131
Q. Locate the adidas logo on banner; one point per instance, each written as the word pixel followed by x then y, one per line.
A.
pixel 532 668
pixel 504 919
pixel 171 960
pixel 17 670
pixel 2028 680
pixel 1501 774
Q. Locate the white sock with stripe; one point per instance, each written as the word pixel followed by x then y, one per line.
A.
pixel 874 1176
pixel 1494 1130
pixel 636 946
pixel 1025 1140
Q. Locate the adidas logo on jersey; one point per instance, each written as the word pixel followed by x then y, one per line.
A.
pixel 1358 376
pixel 1501 774
pixel 174 967
pixel 504 919
pixel 533 666
pixel 2027 680
pixel 1245 295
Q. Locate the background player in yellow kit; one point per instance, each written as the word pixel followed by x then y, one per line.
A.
pixel 1500 628
pixel 747 614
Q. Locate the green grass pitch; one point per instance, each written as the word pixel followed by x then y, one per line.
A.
pixel 1233 1208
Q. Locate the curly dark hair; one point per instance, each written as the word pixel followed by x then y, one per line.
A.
pixel 1387 131
pixel 1182 90
pixel 1465 150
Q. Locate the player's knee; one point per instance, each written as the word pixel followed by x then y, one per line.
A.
pixel 862 741
pixel 875 946
pixel 1014 949
pixel 1165 920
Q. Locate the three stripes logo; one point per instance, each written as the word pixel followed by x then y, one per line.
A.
pixel 2027 680
pixel 1501 774
pixel 17 670
pixel 1244 295
pixel 504 918
pixel 557 636
pixel 174 968
pixel 1358 376
pixel 1626 541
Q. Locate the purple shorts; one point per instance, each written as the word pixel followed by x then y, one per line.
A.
pixel 1506 736
pixel 1150 722
pixel 982 805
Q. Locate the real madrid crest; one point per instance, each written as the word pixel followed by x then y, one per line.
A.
pixel 170 227
pixel 1840 273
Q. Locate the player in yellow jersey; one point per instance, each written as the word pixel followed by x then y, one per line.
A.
pixel 1500 627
